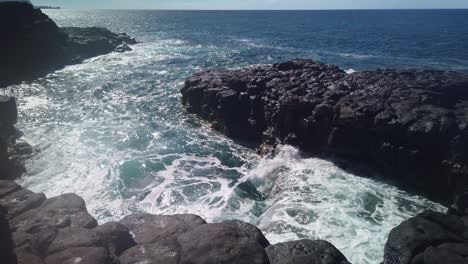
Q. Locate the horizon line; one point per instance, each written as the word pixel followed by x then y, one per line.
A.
pixel 338 9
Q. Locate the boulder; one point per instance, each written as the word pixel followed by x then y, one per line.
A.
pixel 66 210
pixel 220 243
pixel 21 201
pixel 428 238
pixel 305 252
pixel 147 228
pixel 74 237
pixel 226 242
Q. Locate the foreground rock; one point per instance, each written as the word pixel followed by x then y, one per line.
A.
pixel 305 251
pixel 429 238
pixel 60 230
pixel 412 125
pixel 33 45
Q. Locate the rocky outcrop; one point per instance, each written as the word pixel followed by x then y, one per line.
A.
pixel 429 238
pixel 60 230
pixel 33 45
pixel 11 165
pixel 412 125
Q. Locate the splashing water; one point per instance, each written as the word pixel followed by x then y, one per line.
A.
pixel 113 131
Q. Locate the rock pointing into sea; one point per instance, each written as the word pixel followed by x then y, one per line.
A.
pixel 412 125
pixel 33 45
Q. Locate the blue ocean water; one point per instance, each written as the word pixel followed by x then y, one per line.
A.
pixel 113 130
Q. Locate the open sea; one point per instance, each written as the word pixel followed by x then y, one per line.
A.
pixel 113 130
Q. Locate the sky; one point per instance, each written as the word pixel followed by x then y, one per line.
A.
pixel 253 4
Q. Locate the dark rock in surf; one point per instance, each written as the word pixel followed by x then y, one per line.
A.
pixel 34 45
pixel 429 238
pixel 305 251
pixel 412 125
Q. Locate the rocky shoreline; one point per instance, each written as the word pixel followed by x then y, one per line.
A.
pixel 33 45
pixel 411 125
pixel 269 104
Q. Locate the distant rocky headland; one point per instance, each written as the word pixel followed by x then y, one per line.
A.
pixel 409 123
pixel 33 45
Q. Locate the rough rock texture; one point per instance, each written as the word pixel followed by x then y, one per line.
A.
pixel 429 238
pixel 305 251
pixel 33 45
pixel 11 166
pixel 189 239
pixel 60 230
pixel 412 125
pixel 7 254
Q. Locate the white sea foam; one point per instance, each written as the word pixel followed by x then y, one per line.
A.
pixel 349 71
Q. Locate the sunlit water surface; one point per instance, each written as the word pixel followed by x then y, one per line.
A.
pixel 113 130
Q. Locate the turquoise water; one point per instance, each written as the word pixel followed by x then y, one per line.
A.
pixel 113 130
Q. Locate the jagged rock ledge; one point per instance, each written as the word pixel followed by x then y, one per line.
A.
pixel 33 45
pixel 412 125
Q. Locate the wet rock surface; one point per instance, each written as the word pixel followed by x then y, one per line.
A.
pixel 33 45
pixel 412 125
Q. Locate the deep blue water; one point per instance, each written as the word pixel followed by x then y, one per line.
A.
pixel 113 130
pixel 360 39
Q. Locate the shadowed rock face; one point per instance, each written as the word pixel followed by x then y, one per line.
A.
pixel 33 45
pixel 7 254
pixel 11 166
pixel 412 125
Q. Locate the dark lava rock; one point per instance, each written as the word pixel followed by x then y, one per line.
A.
pixel 66 210
pixel 74 237
pixel 305 252
pixel 412 125
pixel 430 237
pixel 226 242
pixel 7 187
pixel 8 111
pixel 10 167
pixel 220 243
pixel 148 228
pixel 117 237
pixel 92 255
pixel 252 231
pixel 21 201
pixel 33 45
pixel 7 254
pixel 166 251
